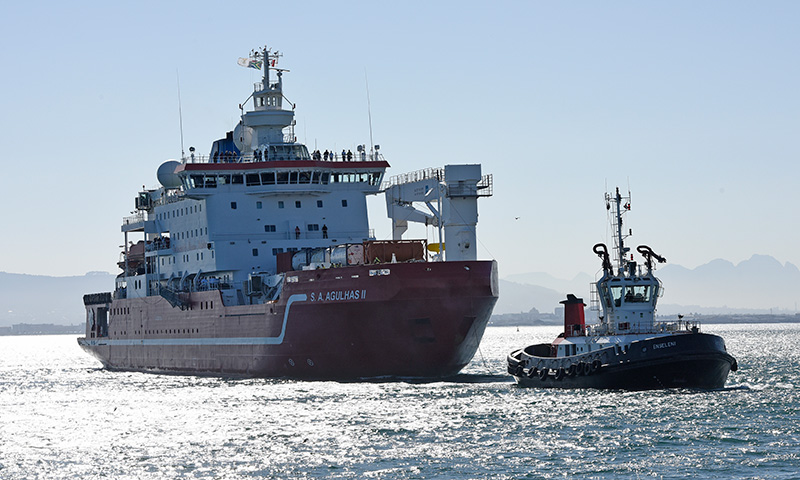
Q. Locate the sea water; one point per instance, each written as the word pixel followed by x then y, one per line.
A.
pixel 62 416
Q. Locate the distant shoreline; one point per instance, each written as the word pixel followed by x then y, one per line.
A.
pixel 524 319
pixel 503 320
pixel 42 329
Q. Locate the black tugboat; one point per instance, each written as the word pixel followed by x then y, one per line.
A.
pixel 627 349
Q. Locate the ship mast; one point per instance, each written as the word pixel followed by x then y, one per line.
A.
pixel 264 124
pixel 615 204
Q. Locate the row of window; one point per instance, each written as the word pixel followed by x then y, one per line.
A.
pixel 282 204
pixel 185 258
pixel 191 233
pixel 311 227
pixel 282 178
pixel 179 212
pixel 169 331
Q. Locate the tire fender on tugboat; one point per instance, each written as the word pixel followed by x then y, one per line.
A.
pixel 596 364
pixel 543 373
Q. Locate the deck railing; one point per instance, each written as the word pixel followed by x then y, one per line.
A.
pixel 250 158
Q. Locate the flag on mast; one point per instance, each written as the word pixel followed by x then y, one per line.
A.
pixel 249 62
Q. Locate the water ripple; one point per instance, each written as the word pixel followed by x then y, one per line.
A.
pixel 62 417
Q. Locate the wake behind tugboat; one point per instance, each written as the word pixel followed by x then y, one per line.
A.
pixel 628 349
pixel 258 260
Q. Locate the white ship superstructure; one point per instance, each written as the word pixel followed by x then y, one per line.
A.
pixel 291 202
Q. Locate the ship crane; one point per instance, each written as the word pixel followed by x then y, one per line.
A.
pixel 451 195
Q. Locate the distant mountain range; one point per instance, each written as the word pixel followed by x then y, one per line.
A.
pixel 759 285
pixel 41 299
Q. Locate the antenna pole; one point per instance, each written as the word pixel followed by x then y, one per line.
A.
pixel 180 112
pixel 369 116
pixel 265 59
pixel 621 245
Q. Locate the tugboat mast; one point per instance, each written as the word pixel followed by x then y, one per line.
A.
pixel 619 239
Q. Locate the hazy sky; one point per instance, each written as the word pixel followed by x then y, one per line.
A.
pixel 695 105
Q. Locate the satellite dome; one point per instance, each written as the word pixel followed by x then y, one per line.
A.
pixel 242 136
pixel 167 176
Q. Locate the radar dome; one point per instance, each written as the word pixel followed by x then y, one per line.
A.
pixel 167 176
pixel 242 137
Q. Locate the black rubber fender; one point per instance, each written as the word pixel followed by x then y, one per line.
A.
pixel 596 364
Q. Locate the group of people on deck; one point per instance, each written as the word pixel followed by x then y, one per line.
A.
pixel 346 155
pixel 225 157
pixel 228 156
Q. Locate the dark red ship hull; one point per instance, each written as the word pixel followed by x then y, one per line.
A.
pixel 414 319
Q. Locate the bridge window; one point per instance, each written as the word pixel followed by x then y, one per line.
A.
pixel 616 295
pixel 268 178
pixel 637 294
pixel 237 179
pixel 252 179
pixel 196 181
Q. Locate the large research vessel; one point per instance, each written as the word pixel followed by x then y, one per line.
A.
pixel 629 348
pixel 258 260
